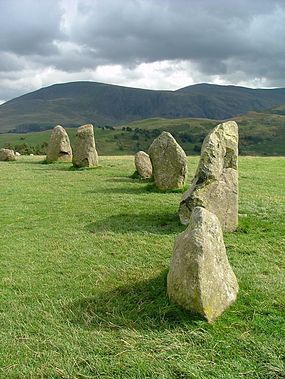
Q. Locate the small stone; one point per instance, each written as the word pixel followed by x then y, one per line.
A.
pixel 200 278
pixel 59 148
pixel 143 165
pixel 85 153
pixel 168 161
pixel 215 185
pixel 7 155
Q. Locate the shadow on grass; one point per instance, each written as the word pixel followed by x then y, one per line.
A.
pixel 29 161
pixel 156 223
pixel 136 186
pixel 129 179
pixel 151 187
pixel 127 190
pixel 66 166
pixel 139 305
pixel 120 179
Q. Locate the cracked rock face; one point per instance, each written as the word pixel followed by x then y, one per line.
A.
pixel 168 162
pixel 200 278
pixel 7 155
pixel 143 165
pixel 85 153
pixel 215 185
pixel 59 148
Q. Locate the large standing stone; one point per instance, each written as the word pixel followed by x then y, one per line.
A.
pixel 143 165
pixel 168 162
pixel 85 154
pixel 200 278
pixel 7 155
pixel 215 185
pixel 59 148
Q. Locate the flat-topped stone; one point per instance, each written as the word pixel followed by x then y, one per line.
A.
pixel 168 161
pixel 85 153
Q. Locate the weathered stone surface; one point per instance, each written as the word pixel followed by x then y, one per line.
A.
pixel 59 148
pixel 168 161
pixel 200 278
pixel 215 185
pixel 7 155
pixel 85 153
pixel 143 164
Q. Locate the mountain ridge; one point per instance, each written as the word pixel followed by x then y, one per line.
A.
pixel 75 103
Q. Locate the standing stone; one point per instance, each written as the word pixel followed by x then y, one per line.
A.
pixel 7 155
pixel 143 165
pixel 215 185
pixel 200 278
pixel 59 148
pixel 85 154
pixel 168 161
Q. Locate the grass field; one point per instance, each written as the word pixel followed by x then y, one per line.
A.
pixel 84 259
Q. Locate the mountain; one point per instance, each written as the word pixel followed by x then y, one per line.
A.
pixel 73 104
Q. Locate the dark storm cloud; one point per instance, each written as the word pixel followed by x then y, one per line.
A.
pixel 236 40
pixel 126 31
pixel 29 26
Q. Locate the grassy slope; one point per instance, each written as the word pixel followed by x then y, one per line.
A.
pixel 121 142
pixel 106 144
pixel 76 103
pixel 84 257
pixel 260 133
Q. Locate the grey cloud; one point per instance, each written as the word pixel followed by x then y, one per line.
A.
pixel 211 34
pixel 155 30
pixel 29 26
pixel 9 62
pixel 237 40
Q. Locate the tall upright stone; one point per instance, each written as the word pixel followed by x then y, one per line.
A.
pixel 85 153
pixel 7 155
pixel 215 185
pixel 143 165
pixel 59 148
pixel 200 278
pixel 168 161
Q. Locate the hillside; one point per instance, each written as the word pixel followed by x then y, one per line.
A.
pixel 260 134
pixel 73 104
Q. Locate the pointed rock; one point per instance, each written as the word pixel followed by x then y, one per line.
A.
pixel 215 185
pixel 7 155
pixel 200 278
pixel 143 165
pixel 168 161
pixel 85 153
pixel 59 148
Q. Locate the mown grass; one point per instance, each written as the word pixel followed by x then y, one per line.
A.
pixel 84 259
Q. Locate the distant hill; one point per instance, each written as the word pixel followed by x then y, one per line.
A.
pixel 259 134
pixel 73 104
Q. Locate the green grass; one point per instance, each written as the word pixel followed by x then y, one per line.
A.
pixel 84 259
pixel 260 134
pixel 107 144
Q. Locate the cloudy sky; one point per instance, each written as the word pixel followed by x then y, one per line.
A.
pixel 158 44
